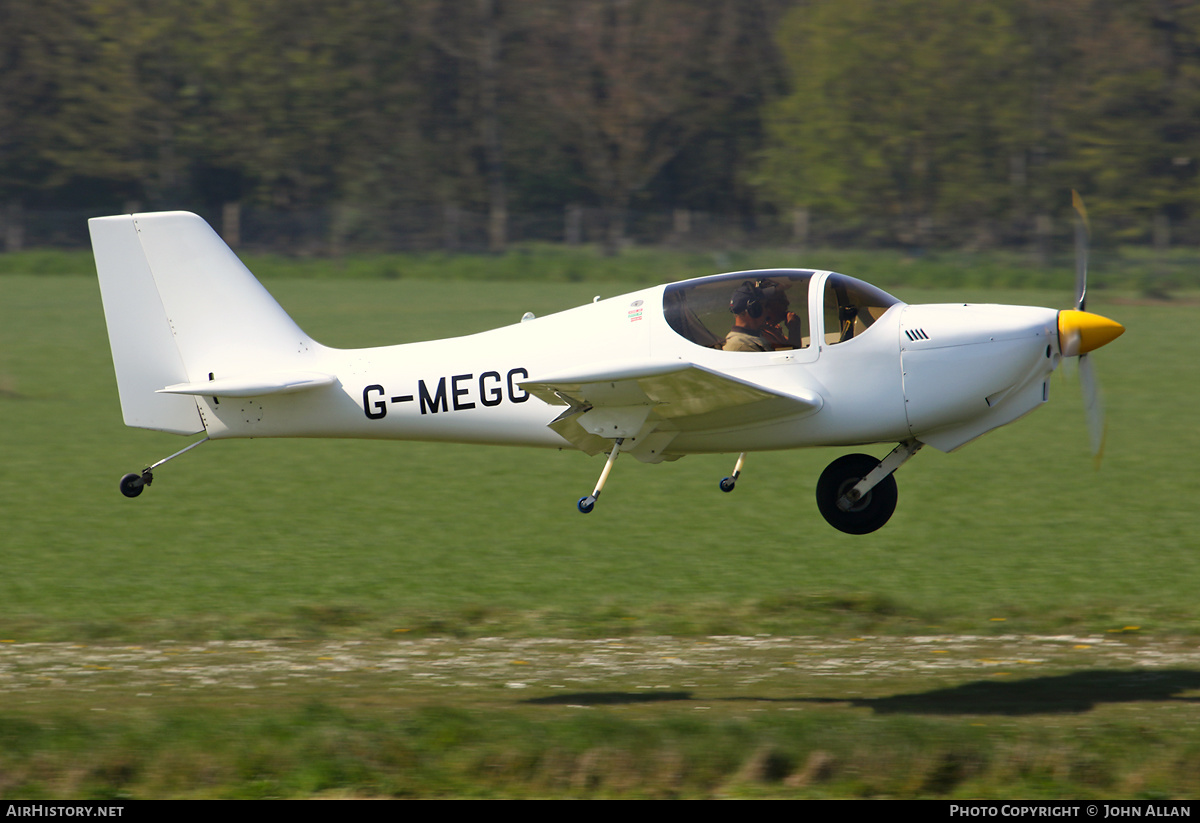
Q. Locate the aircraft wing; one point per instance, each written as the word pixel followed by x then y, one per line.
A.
pixel 610 400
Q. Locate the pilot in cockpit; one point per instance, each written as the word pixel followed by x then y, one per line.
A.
pixel 748 305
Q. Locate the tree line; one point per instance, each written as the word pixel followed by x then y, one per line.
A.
pixel 900 121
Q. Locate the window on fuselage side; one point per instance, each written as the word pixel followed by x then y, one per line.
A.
pixel 700 311
pixel 851 307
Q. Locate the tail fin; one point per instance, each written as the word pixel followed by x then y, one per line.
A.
pixel 181 308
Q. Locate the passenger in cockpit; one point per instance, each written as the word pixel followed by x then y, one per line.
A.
pixel 783 329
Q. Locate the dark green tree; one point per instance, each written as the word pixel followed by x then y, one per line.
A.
pixel 901 112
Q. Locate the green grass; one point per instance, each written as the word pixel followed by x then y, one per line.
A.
pixel 1016 533
pixel 263 538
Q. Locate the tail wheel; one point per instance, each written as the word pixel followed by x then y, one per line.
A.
pixel 132 485
pixel 867 514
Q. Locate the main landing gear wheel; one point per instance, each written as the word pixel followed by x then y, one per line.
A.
pixel 727 484
pixel 867 514
pixel 133 484
pixel 586 504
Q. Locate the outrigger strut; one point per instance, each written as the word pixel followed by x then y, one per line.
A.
pixel 586 504
pixel 132 484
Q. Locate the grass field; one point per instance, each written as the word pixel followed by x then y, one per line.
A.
pixel 336 541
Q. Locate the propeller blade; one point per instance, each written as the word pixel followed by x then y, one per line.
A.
pixel 1080 332
pixel 1083 232
pixel 1093 405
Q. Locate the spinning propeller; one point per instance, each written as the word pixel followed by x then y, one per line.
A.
pixel 1081 332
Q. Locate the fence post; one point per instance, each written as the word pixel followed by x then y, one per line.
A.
pixel 1043 227
pixel 497 228
pixel 452 221
pixel 1162 232
pixel 573 224
pixel 681 225
pixel 231 224
pixel 14 227
pixel 800 227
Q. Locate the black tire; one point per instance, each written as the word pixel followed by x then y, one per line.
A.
pixel 132 485
pixel 727 484
pixel 868 514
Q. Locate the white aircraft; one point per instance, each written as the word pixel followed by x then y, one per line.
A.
pixel 200 346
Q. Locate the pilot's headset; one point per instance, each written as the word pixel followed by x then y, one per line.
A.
pixel 748 298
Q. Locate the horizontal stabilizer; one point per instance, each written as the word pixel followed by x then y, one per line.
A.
pixel 255 385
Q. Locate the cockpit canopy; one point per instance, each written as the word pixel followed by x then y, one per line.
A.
pixel 703 310
pixel 850 307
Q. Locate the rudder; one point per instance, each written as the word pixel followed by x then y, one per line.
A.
pixel 180 307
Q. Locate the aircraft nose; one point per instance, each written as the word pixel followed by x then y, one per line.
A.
pixel 1080 332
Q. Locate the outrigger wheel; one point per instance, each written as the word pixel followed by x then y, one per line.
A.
pixel 728 483
pixel 868 513
pixel 132 484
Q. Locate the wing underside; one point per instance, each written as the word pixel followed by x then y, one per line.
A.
pixel 654 402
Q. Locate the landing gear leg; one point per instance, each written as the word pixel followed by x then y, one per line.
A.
pixel 857 493
pixel 727 483
pixel 586 504
pixel 133 484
